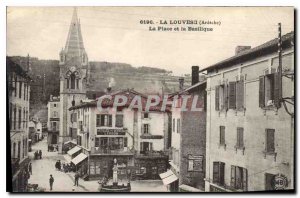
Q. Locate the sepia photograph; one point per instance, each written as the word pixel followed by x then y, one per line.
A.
pixel 150 99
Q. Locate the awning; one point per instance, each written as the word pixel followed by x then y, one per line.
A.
pixel 168 177
pixel 79 158
pixel 74 150
pixel 166 174
pixel 186 188
pixel 67 142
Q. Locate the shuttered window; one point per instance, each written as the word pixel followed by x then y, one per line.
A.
pixel 103 120
pixel 240 93
pixel 261 91
pixel 217 98
pixel 232 95
pixel 178 125
pixel 225 96
pixel 240 137
pixel 239 178
pixel 270 140
pixel 218 173
pixel 269 90
pixel 222 135
pixel 119 120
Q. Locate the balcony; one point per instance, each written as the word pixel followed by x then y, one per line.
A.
pixel 152 154
pixel 106 151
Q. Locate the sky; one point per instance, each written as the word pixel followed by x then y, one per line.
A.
pixel 115 34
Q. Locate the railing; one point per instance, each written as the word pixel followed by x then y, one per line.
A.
pixel 154 153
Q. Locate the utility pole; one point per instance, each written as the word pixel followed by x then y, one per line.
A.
pixel 44 87
pixel 279 62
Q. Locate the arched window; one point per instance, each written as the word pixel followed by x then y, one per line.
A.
pixel 72 77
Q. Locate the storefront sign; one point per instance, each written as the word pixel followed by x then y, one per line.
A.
pixel 110 132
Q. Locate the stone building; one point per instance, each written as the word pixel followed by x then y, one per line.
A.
pixel 53 120
pixel 188 149
pixel 73 62
pixel 19 94
pixel 138 140
pixel 250 129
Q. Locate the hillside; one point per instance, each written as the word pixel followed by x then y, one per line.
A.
pixel 103 74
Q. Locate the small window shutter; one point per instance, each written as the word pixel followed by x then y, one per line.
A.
pixel 217 98
pixel 261 91
pixel 215 172
pixel 232 178
pixel 276 90
pixel 151 146
pixel 270 142
pixel 232 95
pixel 241 137
pixel 240 93
pixel 110 120
pixel 225 96
pixel 245 179
pixel 221 174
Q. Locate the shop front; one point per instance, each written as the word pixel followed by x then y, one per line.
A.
pixel 149 167
pixel 100 166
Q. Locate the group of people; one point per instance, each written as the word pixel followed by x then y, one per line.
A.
pixel 38 154
pixel 65 167
pixel 52 148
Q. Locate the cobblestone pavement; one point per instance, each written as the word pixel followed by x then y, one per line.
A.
pixel 64 182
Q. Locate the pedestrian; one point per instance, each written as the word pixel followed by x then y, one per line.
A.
pixel 76 178
pixel 51 181
pixel 59 165
pixel 40 154
pixel 30 168
pixel 56 164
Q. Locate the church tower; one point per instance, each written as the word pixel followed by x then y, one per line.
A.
pixel 73 62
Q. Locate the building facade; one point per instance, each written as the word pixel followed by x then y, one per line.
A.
pixel 19 95
pixel 136 139
pixel 250 129
pixel 73 62
pixel 188 149
pixel 53 123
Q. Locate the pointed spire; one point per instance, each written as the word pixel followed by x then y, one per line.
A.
pixel 74 45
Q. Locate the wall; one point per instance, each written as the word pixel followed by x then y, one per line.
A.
pixel 254 120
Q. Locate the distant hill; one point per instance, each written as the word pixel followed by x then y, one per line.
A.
pixel 103 74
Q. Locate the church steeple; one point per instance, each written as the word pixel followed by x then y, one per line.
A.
pixel 74 45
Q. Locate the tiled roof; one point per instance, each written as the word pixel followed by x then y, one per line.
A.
pixel 15 67
pixel 268 47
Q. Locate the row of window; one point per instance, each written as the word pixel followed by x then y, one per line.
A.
pixel 23 90
pixel 269 139
pixel 16 116
pixel 231 95
pixel 111 143
pixel 16 149
pixel 238 176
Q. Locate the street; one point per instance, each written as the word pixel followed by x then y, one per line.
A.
pixel 64 182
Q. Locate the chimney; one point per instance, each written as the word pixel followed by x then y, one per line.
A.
pixel 241 48
pixel 195 74
pixel 181 83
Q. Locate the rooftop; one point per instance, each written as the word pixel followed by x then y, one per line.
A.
pixel 266 48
